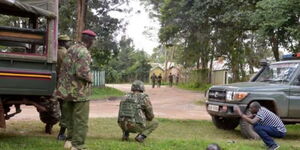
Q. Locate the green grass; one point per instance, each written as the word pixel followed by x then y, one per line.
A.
pixel 200 102
pixel 106 92
pixel 104 134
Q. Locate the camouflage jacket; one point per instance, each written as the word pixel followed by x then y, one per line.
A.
pixel 61 54
pixel 74 81
pixel 144 110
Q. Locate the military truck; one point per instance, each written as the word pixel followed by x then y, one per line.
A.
pixel 276 86
pixel 28 54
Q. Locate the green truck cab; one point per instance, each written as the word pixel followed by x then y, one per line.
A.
pixel 276 86
pixel 28 54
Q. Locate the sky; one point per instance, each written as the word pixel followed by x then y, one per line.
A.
pixel 138 22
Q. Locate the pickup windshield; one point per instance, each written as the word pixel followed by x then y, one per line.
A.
pixel 278 73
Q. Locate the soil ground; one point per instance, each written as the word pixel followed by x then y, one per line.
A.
pixel 167 102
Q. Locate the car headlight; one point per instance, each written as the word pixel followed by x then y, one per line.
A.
pixel 229 95
pixel 235 96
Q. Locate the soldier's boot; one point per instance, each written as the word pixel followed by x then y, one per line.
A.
pixel 61 135
pixel 125 136
pixel 48 128
pixel 68 145
pixel 140 138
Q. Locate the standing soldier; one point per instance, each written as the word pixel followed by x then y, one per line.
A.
pixel 136 114
pixel 153 79
pixel 63 45
pixel 170 80
pixel 74 87
pixel 159 78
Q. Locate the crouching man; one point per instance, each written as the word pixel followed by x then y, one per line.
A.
pixel 136 114
pixel 265 123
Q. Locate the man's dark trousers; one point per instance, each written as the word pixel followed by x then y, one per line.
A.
pixel 266 133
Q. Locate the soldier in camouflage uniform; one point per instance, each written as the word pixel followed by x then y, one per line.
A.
pixel 56 113
pixel 136 114
pixel 74 87
pixel 63 45
pixel 153 79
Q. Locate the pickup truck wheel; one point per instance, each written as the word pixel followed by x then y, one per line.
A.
pixel 225 123
pixel 247 129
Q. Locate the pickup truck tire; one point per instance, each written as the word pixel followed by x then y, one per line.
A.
pixel 247 129
pixel 225 123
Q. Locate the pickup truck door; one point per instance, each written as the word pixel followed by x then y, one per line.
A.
pixel 294 102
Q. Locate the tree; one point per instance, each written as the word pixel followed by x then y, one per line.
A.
pixel 278 21
pixel 129 65
pixel 97 18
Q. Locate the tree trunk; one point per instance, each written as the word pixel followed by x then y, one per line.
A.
pixel 274 44
pixel 81 13
pixel 211 63
pixel 166 65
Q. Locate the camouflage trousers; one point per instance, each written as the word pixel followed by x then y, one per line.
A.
pixel 138 128
pixel 77 116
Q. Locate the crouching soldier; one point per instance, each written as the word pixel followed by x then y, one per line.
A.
pixel 136 114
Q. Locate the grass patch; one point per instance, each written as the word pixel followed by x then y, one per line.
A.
pixel 106 92
pixel 200 102
pixel 105 134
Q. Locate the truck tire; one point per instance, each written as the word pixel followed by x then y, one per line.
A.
pixel 225 123
pixel 247 129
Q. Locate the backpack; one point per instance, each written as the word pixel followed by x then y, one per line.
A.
pixel 131 109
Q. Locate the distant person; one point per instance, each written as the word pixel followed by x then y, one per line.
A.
pixel 153 79
pixel 265 123
pixel 213 147
pixel 170 80
pixel 136 113
pixel 159 78
pixel 177 79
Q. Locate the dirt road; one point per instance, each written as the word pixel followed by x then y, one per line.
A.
pixel 167 103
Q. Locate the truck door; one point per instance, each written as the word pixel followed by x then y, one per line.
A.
pixel 294 98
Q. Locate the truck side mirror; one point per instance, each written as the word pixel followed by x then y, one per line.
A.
pixel 263 63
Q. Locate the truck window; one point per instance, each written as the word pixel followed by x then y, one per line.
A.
pixel 278 73
pixel 22 36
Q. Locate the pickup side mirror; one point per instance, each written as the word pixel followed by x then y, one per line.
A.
pixel 263 63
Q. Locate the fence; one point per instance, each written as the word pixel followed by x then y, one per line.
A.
pixel 98 78
pixel 219 77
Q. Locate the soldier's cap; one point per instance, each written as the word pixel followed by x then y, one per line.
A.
pixel 63 38
pixel 89 32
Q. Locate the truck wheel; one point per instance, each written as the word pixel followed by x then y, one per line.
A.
pixel 247 129
pixel 225 123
